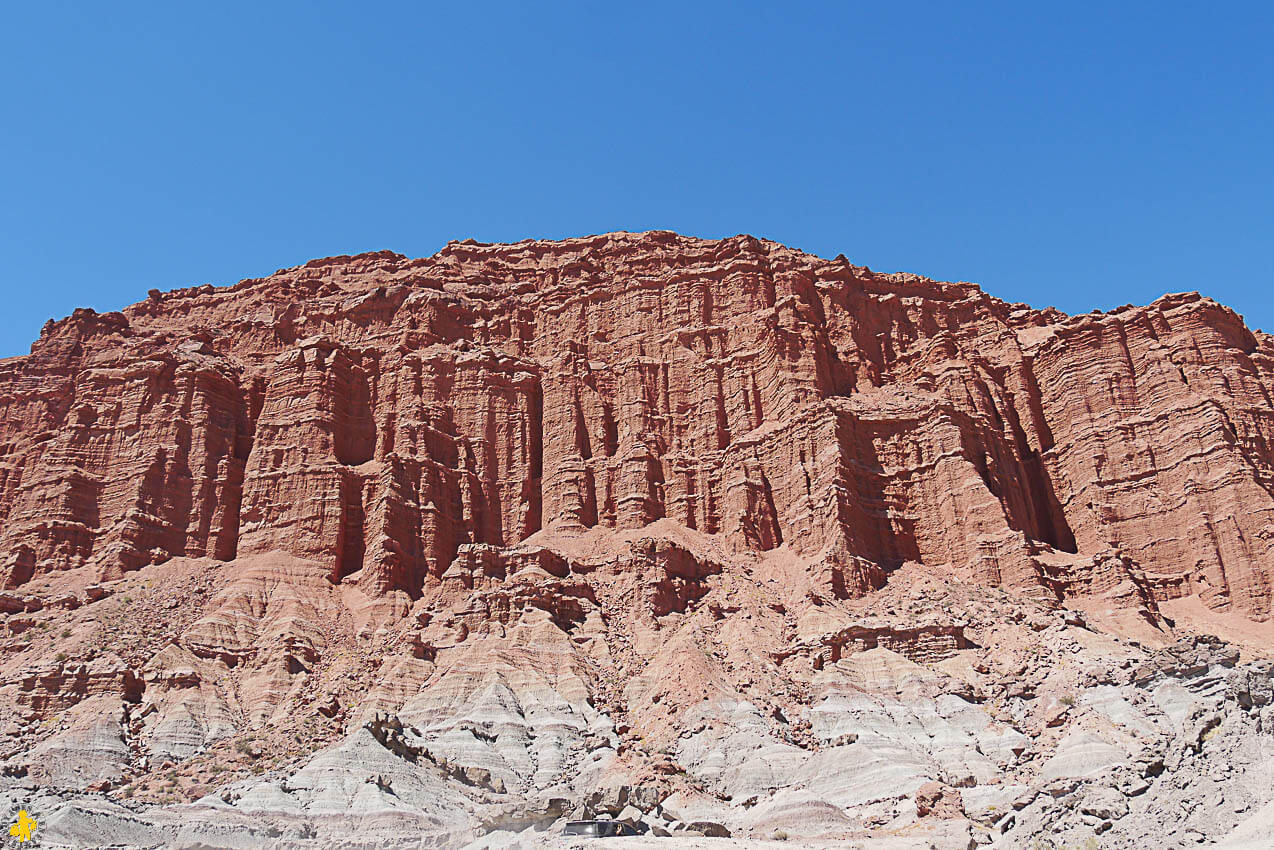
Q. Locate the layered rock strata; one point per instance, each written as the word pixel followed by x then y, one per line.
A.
pixel 478 541
pixel 377 413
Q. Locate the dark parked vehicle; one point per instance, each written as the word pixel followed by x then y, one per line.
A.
pixel 598 828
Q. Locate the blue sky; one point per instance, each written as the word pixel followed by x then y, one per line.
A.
pixel 1081 155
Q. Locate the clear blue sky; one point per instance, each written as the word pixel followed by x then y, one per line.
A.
pixel 1084 156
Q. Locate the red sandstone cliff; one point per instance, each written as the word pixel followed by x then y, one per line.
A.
pixel 378 413
pixel 516 523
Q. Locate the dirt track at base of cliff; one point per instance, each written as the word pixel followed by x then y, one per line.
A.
pixel 458 547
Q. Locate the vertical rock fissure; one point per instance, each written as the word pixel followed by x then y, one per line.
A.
pixel 351 544
pixel 534 495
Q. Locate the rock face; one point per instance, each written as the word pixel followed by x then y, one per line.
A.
pixel 377 413
pixel 438 542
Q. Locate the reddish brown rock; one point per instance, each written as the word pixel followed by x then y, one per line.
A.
pixel 933 799
pixel 713 518
pixel 377 414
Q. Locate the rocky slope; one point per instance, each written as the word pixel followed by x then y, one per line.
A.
pixel 715 533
